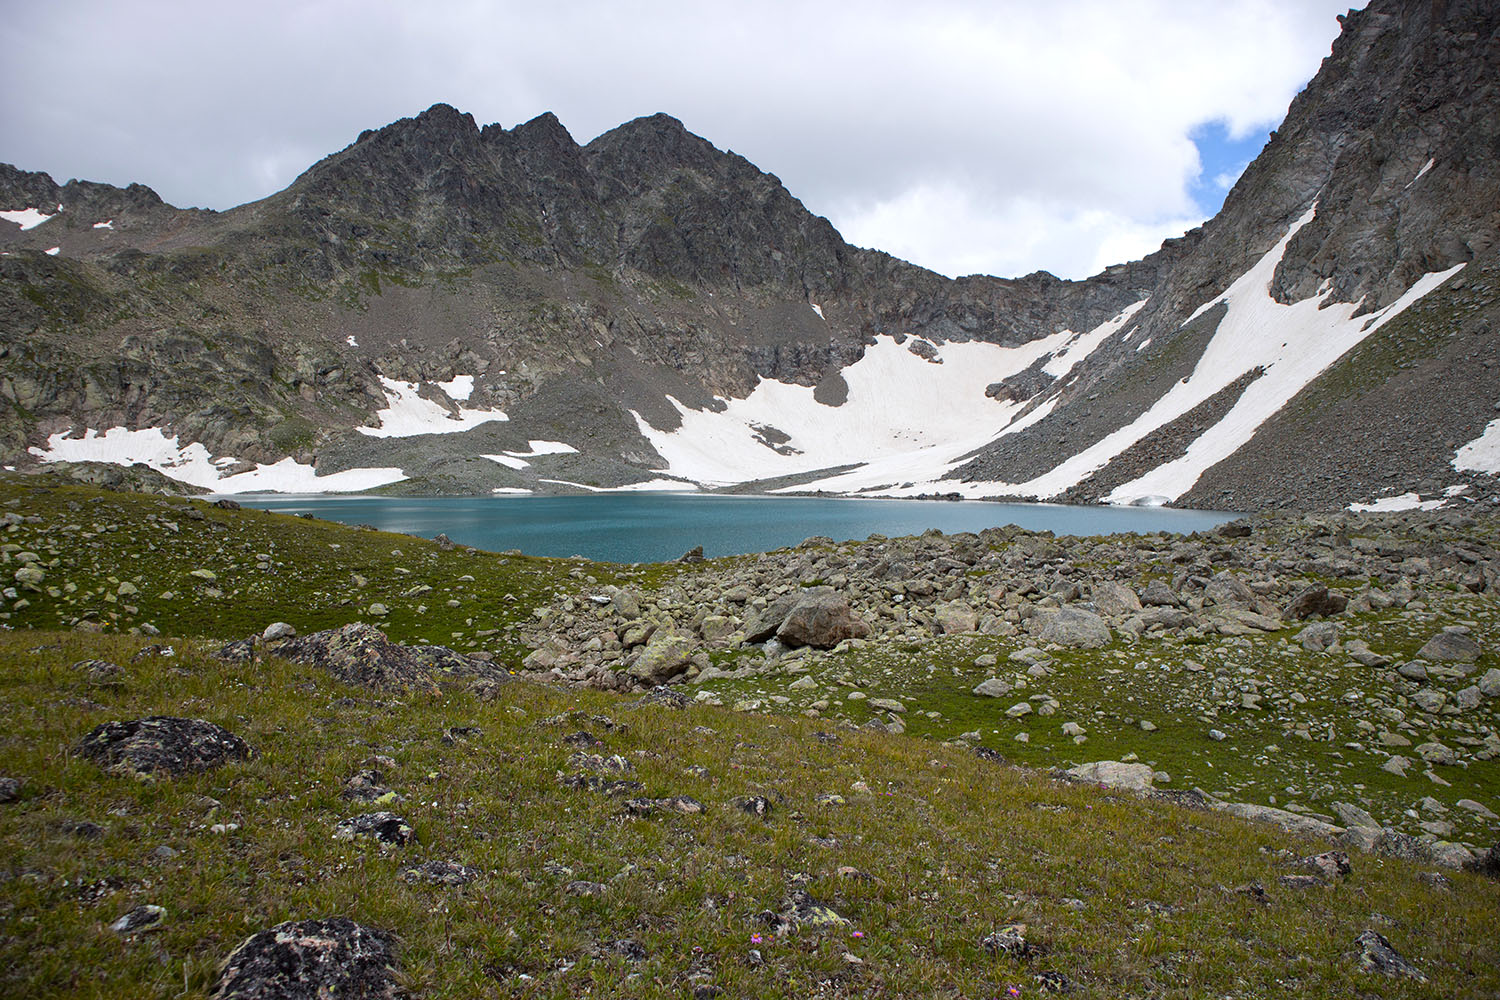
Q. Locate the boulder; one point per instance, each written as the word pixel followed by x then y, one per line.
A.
pixel 955 618
pixel 161 745
pixel 1159 594
pixel 665 656
pixel 361 655
pixel 1076 628
pixel 822 619
pixel 310 960
pixel 1226 589
pixel 1450 647
pixel 1113 600
pixel 1489 684
pixel 762 624
pixel 1377 955
pixel 992 687
pixel 1315 601
pixel 1318 636
pixel 1115 774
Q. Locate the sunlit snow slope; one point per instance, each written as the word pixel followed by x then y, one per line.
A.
pixel 905 423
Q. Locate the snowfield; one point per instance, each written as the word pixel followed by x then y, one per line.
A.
pixel 193 464
pixel 906 420
pixel 1293 344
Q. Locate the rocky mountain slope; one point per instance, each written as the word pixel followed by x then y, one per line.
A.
pixel 442 307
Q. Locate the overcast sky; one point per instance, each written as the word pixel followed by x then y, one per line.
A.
pixel 999 137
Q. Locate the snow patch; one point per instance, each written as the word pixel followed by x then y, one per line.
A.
pixel 1483 453
pixel 28 218
pixel 817 309
pixel 409 415
pixel 1420 173
pixel 458 388
pixel 106 224
pixel 513 490
pixel 1390 505
pixel 351 341
pixel 192 464
pixel 54 251
pixel 517 459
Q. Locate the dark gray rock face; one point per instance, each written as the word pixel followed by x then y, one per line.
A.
pixel 162 746
pixel 311 960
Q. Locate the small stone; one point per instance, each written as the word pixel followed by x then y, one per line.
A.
pixel 1217 736
pixel 10 789
pixel 1010 940
pixel 583 887
pixel 1329 864
pixel 377 610
pixel 139 920
pixel 440 873
pixel 382 827
pixel 992 687
pixel 1019 709
pixel 754 805
pixel 278 630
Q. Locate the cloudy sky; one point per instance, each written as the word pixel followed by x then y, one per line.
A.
pixel 995 136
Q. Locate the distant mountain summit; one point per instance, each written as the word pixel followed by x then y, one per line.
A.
pixel 441 307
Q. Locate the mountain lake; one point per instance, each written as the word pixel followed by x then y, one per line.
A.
pixel 636 527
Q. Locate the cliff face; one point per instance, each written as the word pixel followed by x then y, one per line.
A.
pixel 620 297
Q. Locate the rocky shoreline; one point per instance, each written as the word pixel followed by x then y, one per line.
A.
pixel 1249 620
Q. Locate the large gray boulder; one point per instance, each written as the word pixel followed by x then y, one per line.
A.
pixel 955 618
pixel 821 619
pixel 1116 774
pixel 665 656
pixel 761 625
pixel 1450 647
pixel 161 745
pixel 1077 629
pixel 1114 600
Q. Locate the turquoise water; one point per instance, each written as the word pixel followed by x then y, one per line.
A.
pixel 654 527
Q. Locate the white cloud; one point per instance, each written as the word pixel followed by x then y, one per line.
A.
pixel 992 136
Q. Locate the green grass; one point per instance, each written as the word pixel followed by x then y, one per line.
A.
pixel 1130 897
